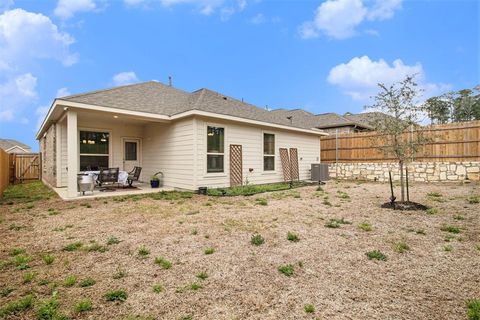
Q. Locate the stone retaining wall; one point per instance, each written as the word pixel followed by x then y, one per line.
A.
pixel 417 171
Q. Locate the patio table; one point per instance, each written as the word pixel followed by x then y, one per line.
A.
pixel 122 176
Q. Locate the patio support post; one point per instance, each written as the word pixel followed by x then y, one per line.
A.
pixel 72 153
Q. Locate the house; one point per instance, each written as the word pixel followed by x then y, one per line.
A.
pixel 13 146
pixel 192 137
pixel 332 122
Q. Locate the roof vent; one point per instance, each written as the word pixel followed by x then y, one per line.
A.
pixel 169 81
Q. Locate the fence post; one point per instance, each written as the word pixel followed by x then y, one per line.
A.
pixel 336 154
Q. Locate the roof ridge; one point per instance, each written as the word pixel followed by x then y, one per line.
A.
pixel 104 90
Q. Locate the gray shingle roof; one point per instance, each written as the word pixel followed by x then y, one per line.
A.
pixel 154 97
pixel 6 144
pixel 157 98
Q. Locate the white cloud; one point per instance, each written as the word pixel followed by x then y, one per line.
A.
pixel 65 9
pixel 339 19
pixel 384 9
pixel 62 92
pixel 15 95
pixel 26 36
pixel 359 77
pixel 124 78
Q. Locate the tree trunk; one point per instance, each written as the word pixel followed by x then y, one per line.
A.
pixel 402 185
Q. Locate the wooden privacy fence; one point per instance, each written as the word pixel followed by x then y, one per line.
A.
pixel 4 170
pixel 445 143
pixel 24 166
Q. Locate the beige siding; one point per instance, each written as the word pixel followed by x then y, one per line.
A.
pixel 169 148
pixel 251 138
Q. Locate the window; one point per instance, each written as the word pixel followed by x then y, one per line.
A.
pixel 215 149
pixel 130 151
pixel 268 152
pixel 94 150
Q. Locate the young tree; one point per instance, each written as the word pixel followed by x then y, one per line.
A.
pixel 400 101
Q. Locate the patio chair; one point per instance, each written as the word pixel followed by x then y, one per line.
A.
pixel 134 175
pixel 108 176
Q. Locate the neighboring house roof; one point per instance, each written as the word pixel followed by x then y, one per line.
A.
pixel 155 97
pixel 7 144
pixel 328 120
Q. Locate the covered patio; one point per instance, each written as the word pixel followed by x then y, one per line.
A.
pixel 91 140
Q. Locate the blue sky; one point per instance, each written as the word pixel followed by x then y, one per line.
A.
pixel 323 56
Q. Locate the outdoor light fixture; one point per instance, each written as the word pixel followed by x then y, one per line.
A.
pixel 116 117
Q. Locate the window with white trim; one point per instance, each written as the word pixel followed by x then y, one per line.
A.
pixel 268 152
pixel 94 150
pixel 215 149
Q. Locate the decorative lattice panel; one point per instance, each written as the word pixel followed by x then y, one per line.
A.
pixel 285 164
pixel 236 165
pixel 294 163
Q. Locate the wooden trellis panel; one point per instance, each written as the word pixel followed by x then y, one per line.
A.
pixel 285 164
pixel 236 165
pixel 294 163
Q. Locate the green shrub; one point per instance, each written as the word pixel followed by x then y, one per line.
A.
pixel 309 308
pixel 4 292
pixel 209 251
pixel 365 226
pixel 451 229
pixel 257 240
pixel 29 276
pixel 292 237
pixel 48 258
pixel 447 248
pixel 163 263
pixel 143 251
pixel 261 201
pixel 474 199
pixel 21 261
pixel 459 217
pixel 202 275
pixel 195 286
pixel 376 255
pixel 87 282
pixel 401 247
pixel 48 310
pixel 431 211
pixel 15 307
pixel 157 288
pixel 83 306
pixel 473 309
pixel 112 240
pixel 70 281
pixel 286 269
pixel 116 295
pixel 336 223
pixel 73 246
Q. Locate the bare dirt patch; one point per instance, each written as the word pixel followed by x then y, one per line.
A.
pixel 431 277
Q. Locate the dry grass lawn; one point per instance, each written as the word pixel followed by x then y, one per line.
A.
pixel 432 261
